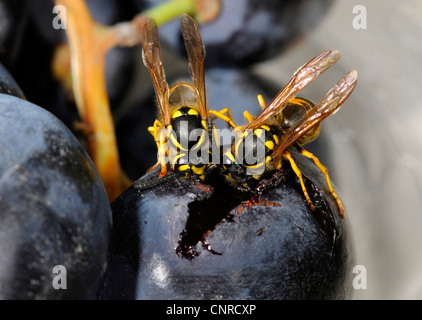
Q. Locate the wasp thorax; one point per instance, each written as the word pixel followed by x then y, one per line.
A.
pixel 182 94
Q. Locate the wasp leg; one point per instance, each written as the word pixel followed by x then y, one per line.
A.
pixel 154 132
pixel 160 140
pixel 248 117
pixel 151 131
pixel 296 170
pixel 324 170
pixel 162 154
pixel 225 115
pixel 261 101
pixel 154 129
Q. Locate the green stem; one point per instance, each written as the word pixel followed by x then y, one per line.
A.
pixel 170 10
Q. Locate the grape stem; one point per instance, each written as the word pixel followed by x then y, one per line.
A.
pixel 84 76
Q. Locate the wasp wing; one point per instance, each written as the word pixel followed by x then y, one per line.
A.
pixel 196 54
pixel 302 77
pixel 327 106
pixel 151 56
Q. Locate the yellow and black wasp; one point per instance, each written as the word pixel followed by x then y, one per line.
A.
pixel 286 121
pixel 184 127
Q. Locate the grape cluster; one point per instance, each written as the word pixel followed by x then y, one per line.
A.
pixel 181 239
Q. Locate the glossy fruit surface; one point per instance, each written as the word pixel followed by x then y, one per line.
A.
pixel 186 240
pixel 8 85
pixel 54 210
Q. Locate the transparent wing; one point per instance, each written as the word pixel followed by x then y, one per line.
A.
pixel 327 106
pixel 195 51
pixel 304 76
pixel 151 56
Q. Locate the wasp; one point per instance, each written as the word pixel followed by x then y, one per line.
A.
pixel 287 121
pixel 183 107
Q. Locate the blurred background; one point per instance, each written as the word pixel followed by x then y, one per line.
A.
pixel 375 140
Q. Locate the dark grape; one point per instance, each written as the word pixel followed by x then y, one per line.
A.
pixel 250 31
pixel 54 210
pixel 186 240
pixel 8 85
